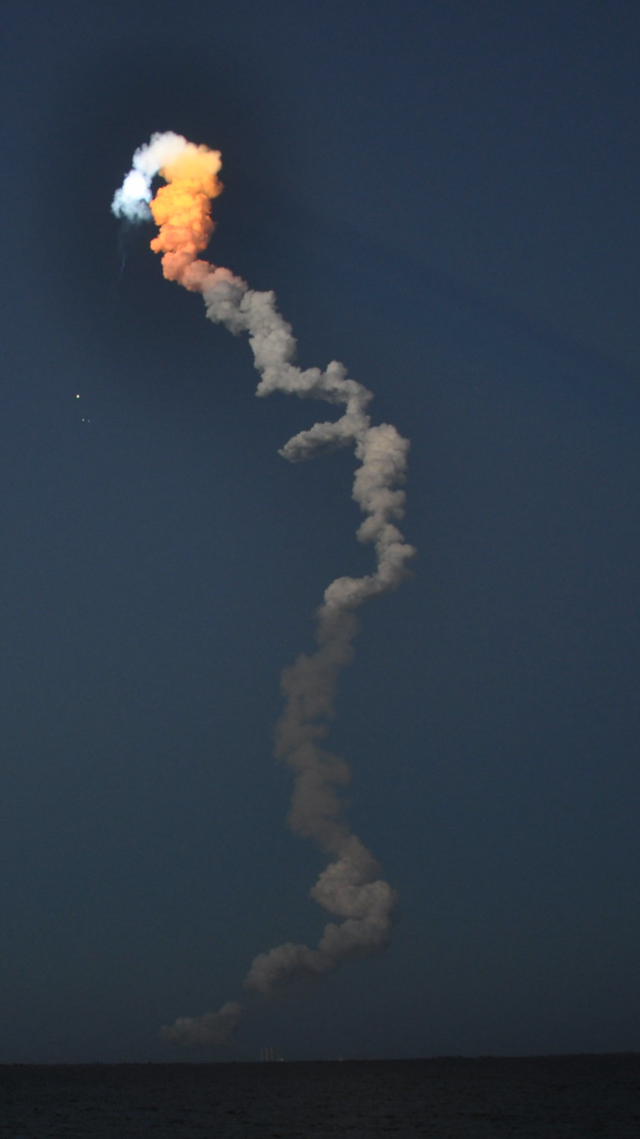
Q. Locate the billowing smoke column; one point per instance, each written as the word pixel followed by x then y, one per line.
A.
pixel 351 888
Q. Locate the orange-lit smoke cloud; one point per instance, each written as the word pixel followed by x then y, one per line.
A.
pixel 182 211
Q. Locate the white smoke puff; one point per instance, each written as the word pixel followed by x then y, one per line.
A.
pixel 131 201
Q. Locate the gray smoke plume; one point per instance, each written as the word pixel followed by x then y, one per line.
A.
pixel 351 888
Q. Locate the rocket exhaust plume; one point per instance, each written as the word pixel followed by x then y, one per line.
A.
pixel 351 887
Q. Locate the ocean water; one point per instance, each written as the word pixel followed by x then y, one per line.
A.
pixel 536 1098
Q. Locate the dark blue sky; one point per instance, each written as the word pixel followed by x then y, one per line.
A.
pixel 445 196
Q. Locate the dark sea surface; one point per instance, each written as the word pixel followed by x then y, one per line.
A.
pixel 555 1097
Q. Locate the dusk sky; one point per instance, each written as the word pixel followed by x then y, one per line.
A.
pixel 445 196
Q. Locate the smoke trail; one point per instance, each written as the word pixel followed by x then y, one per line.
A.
pixel 351 888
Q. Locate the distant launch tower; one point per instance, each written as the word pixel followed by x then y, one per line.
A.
pixel 269 1054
